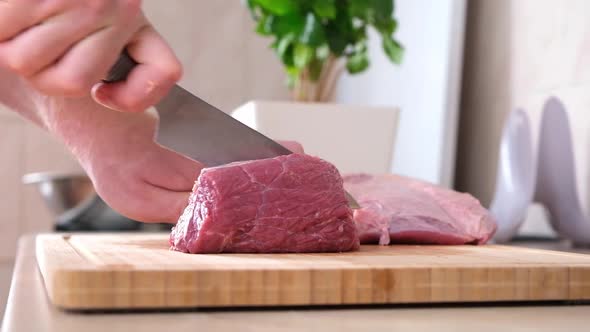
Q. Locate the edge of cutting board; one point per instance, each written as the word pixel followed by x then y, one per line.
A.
pixel 78 277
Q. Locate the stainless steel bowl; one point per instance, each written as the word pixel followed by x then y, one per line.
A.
pixel 77 207
pixel 61 191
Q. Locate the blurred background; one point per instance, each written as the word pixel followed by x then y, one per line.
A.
pixel 467 64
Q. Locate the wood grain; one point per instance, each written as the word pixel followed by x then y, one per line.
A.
pixel 121 271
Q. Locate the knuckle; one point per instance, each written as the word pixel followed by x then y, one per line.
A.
pixel 130 8
pixel 74 83
pixel 44 9
pixel 46 88
pixel 48 7
pixel 56 4
pixel 176 73
pixel 132 5
pixel 172 74
pixel 53 3
pixel 98 7
pixel 131 104
pixel 16 61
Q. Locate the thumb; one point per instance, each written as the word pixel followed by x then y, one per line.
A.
pixel 292 145
pixel 157 71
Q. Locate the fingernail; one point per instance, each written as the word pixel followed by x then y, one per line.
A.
pixel 101 97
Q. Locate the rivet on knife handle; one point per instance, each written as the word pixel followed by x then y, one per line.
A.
pixel 121 68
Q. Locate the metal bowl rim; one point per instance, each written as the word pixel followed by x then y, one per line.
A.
pixel 39 177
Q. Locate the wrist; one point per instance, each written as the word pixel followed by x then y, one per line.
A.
pixel 18 96
pixel 92 131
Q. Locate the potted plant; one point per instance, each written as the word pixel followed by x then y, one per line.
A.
pixel 316 41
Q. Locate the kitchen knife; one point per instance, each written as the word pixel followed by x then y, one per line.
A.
pixel 216 138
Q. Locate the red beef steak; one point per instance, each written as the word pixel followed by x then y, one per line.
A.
pixel 396 209
pixel 293 203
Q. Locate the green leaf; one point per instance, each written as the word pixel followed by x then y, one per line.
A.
pixel 288 24
pixel 275 43
pixel 292 77
pixel 283 44
pixel 382 9
pixel 278 7
pixel 313 32
pixel 285 49
pixel 302 55
pixel 339 32
pixel 308 32
pixel 357 63
pixel 252 8
pixel 325 8
pixel 359 8
pixel 375 12
pixel 386 28
pixel 358 35
pixel 264 25
pixel 322 52
pixel 383 20
pixel 394 51
pixel 361 47
pixel 337 42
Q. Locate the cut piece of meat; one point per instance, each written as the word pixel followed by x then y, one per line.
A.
pixel 396 209
pixel 293 203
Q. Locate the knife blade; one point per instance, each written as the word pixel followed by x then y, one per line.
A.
pixel 216 138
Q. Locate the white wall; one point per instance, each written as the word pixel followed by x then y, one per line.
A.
pixel 425 86
pixel 519 53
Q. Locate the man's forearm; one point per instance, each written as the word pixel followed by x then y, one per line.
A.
pixel 16 94
pixel 78 122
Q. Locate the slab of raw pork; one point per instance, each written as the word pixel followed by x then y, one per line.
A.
pixel 293 203
pixel 397 209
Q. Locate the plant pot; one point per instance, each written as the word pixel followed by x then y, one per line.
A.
pixel 354 138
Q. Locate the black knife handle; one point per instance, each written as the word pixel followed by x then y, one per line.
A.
pixel 121 68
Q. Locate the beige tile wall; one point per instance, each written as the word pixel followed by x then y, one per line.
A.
pixel 518 53
pixel 24 148
pixel 225 63
pixel 11 152
pixel 6 269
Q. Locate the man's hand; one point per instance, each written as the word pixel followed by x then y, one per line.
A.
pixel 131 172
pixel 296 147
pixel 66 47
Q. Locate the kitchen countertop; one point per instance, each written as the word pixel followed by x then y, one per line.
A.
pixel 5 276
pixel 29 310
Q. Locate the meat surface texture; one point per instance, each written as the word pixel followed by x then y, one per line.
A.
pixel 293 203
pixel 397 209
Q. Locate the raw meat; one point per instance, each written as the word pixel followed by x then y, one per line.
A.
pixel 397 209
pixel 293 203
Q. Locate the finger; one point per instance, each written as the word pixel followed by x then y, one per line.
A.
pixel 169 208
pixel 13 19
pixel 169 183
pixel 156 205
pixel 150 81
pixel 292 145
pixel 83 65
pixel 147 203
pixel 42 45
pixel 150 186
pixel 17 16
pixel 171 170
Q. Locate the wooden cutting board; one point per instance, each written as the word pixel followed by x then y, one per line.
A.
pixel 138 271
